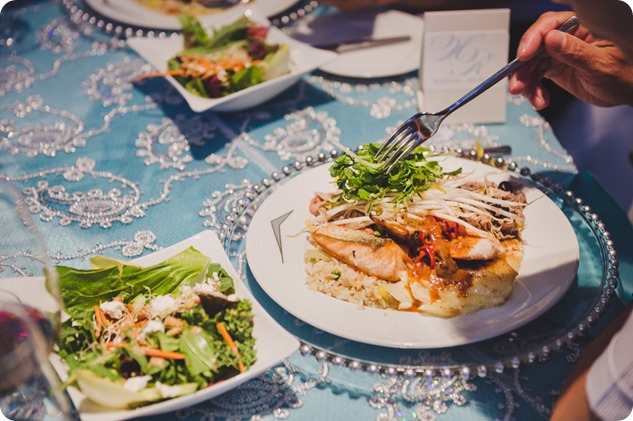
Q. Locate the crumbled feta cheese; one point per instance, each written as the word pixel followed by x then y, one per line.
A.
pixel 162 305
pixel 223 75
pixel 151 327
pixel 135 384
pixel 215 276
pixel 168 391
pixel 203 288
pixel 114 309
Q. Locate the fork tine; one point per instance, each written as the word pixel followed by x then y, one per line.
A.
pixel 390 143
pixel 412 142
pixel 398 142
pixel 383 151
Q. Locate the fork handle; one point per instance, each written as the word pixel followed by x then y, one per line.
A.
pixel 568 26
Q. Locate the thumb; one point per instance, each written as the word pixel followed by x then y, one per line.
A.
pixel 570 50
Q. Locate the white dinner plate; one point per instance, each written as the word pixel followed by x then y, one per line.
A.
pixel 303 59
pixel 547 271
pixel 272 342
pixel 132 13
pixel 374 62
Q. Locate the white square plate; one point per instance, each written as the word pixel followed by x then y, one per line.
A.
pixel 303 59
pixel 272 342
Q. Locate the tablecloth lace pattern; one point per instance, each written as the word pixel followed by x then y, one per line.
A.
pixel 117 168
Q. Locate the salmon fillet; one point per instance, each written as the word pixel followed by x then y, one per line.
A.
pixel 367 253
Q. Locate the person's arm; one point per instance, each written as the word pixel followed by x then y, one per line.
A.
pixel 574 402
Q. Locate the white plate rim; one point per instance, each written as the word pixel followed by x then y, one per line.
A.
pixel 531 297
pixel 276 348
pixel 128 12
pixel 406 56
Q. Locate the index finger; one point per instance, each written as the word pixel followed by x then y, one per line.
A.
pixel 534 35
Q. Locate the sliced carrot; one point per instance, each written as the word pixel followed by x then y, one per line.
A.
pixel 229 341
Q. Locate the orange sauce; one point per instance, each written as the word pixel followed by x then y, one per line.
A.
pixel 436 236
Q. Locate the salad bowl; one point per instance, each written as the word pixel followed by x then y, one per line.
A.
pixel 302 60
pixel 272 342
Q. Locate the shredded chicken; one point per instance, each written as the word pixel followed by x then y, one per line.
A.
pixel 503 228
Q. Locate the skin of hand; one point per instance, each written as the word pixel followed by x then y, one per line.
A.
pixel 592 69
pixel 607 19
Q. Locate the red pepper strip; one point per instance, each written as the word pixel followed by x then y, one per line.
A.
pixel 428 250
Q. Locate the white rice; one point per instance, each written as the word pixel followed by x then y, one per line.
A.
pixel 352 286
pixel 355 287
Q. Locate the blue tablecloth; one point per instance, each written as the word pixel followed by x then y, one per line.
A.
pixel 73 126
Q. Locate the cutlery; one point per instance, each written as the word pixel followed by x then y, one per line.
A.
pixel 421 126
pixel 219 4
pixel 361 43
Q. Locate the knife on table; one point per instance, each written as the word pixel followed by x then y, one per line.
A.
pixel 361 43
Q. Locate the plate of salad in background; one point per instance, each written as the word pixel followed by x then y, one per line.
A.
pixel 231 67
pixel 162 14
pixel 160 333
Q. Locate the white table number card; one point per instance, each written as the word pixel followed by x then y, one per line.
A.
pixel 460 50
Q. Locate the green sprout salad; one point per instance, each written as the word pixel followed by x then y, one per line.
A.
pixel 360 177
pixel 232 58
pixel 138 335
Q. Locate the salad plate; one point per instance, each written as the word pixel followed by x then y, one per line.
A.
pixel 375 62
pixel 272 342
pixel 303 59
pixel 133 13
pixel 276 259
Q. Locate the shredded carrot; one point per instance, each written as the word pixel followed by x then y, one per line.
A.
pixel 159 74
pixel 229 341
pixel 133 325
pixel 100 318
pixel 196 66
pixel 149 352
pixel 153 352
pixel 116 345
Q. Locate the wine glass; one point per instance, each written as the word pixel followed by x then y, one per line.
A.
pixel 30 311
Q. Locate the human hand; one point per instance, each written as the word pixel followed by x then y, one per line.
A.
pixel 592 69
pixel 606 19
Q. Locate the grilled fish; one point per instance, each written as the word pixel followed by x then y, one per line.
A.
pixel 365 252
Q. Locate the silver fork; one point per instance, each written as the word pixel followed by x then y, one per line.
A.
pixel 420 127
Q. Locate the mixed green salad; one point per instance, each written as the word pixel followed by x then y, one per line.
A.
pixel 137 335
pixel 229 59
